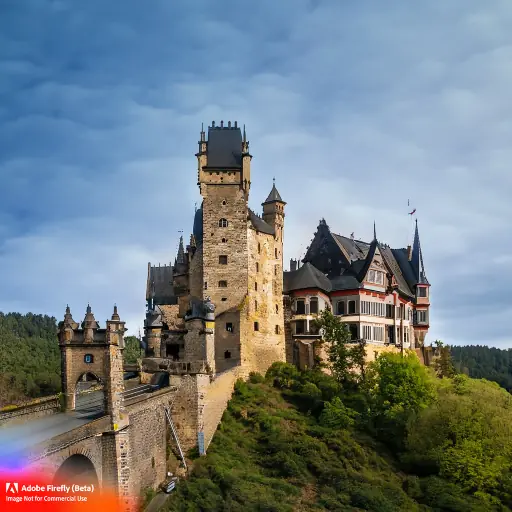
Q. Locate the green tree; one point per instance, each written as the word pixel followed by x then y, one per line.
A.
pixel 398 387
pixel 346 359
pixel 132 350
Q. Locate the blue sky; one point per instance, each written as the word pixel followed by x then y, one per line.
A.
pixel 355 107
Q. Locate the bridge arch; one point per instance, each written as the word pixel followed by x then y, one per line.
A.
pixel 77 469
pixel 88 394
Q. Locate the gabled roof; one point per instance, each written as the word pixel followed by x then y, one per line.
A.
pixel 355 249
pixel 389 258
pixel 305 277
pixel 259 224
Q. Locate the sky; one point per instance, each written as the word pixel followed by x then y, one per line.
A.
pixel 355 107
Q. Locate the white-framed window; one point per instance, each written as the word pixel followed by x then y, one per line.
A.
pixel 378 333
pixel 373 308
pixel 367 332
pixel 422 316
pixel 375 276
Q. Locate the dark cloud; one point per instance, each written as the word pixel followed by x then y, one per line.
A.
pixel 354 108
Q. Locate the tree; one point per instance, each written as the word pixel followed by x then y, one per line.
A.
pixel 346 360
pixel 132 350
pixel 398 387
pixel 443 364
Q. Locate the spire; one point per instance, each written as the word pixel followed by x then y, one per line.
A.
pixel 417 258
pixel 181 252
pixel 374 231
pixel 68 319
pixel 115 315
pixel 89 320
pixel 274 195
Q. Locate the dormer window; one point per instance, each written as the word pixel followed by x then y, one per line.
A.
pixel 375 276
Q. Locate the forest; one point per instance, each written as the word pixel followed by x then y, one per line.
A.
pixel 391 436
pixel 30 357
pixel 482 362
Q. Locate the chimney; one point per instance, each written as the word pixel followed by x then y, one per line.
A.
pixel 409 252
pixel 293 265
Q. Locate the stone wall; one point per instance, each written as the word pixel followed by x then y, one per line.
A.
pixel 373 350
pixel 216 396
pixel 227 343
pixel 30 411
pixel 288 338
pixel 196 282
pixel 263 342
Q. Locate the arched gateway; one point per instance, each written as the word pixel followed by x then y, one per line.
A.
pixel 77 469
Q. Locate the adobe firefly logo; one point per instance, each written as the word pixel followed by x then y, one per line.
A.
pixel 11 487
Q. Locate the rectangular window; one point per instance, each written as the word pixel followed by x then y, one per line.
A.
pixel 300 307
pixel 313 306
pixel 422 316
pixel 256 326
pixel 389 310
pixel 340 308
pixel 379 277
pixel 378 333
pixel 422 291
pixel 300 327
pixel 351 307
pixel 257 267
pixel 229 327
pixel 371 276
pixel 367 332
pixel 275 270
pixel 223 260
pixel 205 285
pixel 223 284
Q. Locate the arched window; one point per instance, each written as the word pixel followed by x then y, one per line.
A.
pixel 259 248
pixel 223 223
pixel 224 240
pixel 224 203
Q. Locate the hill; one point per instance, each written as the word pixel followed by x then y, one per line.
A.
pixel 482 362
pixel 403 441
pixel 30 357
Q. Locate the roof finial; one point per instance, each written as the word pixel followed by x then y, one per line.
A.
pixel 374 231
pixel 245 137
pixel 274 180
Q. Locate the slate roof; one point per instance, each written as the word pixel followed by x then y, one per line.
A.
pixel 389 257
pixel 304 277
pixel 259 224
pixel 224 148
pixel 356 249
pixel 274 195
pixel 197 230
pixel 159 284
pixel 346 281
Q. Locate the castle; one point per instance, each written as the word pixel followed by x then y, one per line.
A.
pixel 262 313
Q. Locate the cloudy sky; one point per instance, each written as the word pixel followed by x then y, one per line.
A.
pixel 354 106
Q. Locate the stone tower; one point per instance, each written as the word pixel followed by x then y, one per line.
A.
pixel 224 181
pixel 273 214
pixel 91 350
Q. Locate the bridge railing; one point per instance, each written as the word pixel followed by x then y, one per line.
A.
pixel 175 367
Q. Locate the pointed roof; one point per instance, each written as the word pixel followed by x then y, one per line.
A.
pixel 274 195
pixel 417 259
pixel 89 320
pixel 180 258
pixel 305 277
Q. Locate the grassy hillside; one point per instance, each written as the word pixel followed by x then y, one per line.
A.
pixel 299 442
